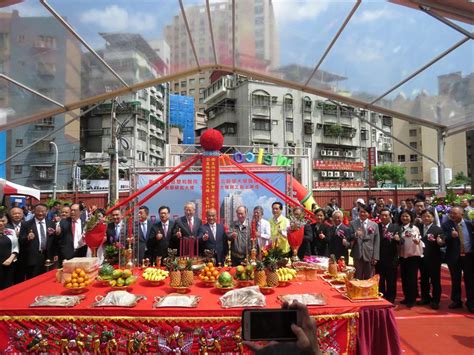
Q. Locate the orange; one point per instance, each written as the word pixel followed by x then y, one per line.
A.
pixel 212 278
pixel 206 269
pixel 68 285
pixel 215 273
pixel 68 280
pixel 82 284
pixel 80 280
pixel 75 284
pixel 210 264
pixel 82 273
pixel 78 270
pixel 208 273
pixel 74 275
pixel 205 278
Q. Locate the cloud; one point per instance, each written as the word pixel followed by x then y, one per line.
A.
pixel 114 18
pixel 369 50
pixel 287 11
pixel 373 15
pixel 396 49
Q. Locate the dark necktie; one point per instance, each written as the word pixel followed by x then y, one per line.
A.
pixel 42 236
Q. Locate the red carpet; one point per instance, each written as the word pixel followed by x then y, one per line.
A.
pixel 427 331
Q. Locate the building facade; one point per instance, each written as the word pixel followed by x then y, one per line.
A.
pixel 50 64
pixel 182 115
pixel 255 38
pixel 255 113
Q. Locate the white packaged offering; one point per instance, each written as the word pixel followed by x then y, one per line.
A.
pixel 243 297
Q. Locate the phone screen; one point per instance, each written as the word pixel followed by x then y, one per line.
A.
pixel 272 324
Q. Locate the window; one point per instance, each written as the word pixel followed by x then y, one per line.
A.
pixel 3 40
pixel 307 104
pixel 414 145
pixel 183 84
pixel 183 93
pixel 364 134
pixel 191 92
pixel 201 90
pixel 141 156
pixel 21 38
pixel 18 169
pixel 262 101
pixel 45 42
pixel 412 132
pixel 413 157
pixel 414 170
pixel 289 125
pixel 19 142
pixel 201 100
pixel 261 125
pixel 202 80
pixel 401 158
pixel 191 81
pixel 176 86
pixel 141 135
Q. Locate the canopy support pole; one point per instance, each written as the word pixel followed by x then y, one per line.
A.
pixel 441 166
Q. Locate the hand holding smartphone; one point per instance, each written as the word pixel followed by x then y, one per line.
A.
pixel 269 324
pixel 291 323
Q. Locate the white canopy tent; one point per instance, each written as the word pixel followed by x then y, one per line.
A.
pixel 382 56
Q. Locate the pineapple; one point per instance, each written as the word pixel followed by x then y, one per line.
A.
pixel 272 275
pixel 332 266
pixel 174 273
pixel 187 275
pixel 260 276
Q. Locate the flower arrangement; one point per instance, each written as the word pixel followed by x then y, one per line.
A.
pixel 408 234
pixel 341 233
pixel 114 252
pixel 431 237
pixel 388 235
pixel 370 230
pixel 271 253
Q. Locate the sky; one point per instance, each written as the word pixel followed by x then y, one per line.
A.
pixel 382 44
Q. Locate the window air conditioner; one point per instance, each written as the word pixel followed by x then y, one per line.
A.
pixel 324 173
pixel 336 153
pixel 349 154
pixel 346 174
pixel 330 174
pixel 351 174
pixel 337 174
pixel 329 153
pixel 323 153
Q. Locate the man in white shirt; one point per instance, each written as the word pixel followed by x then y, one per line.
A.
pixel 262 227
pixel 70 234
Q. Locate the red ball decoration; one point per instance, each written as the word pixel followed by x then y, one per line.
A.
pixel 212 139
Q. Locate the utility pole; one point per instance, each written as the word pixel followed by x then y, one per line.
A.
pixel 113 153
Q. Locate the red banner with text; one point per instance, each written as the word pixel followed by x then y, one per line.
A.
pixel 210 184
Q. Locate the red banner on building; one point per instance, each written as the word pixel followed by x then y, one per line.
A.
pixel 210 184
pixel 372 162
pixel 331 184
pixel 338 165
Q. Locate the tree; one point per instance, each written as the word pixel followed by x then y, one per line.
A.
pixel 334 130
pixel 460 179
pixel 389 172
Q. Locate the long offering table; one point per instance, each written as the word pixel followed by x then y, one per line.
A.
pixel 343 326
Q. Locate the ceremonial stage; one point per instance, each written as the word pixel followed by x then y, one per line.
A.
pixel 343 326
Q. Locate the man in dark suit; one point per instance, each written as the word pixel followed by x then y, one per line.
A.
pixel 315 240
pixel 213 237
pixel 430 266
pixel 160 235
pixel 37 243
pixel 365 244
pixel 186 226
pixel 387 266
pixel 339 236
pixel 460 257
pixel 144 230
pixel 115 228
pixel 70 236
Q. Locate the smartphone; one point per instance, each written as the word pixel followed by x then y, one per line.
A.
pixel 269 324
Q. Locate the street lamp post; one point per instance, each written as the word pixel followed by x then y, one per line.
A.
pixel 55 182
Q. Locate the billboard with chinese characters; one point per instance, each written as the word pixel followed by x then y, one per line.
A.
pixel 235 189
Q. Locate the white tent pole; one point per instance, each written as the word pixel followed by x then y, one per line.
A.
pixel 441 166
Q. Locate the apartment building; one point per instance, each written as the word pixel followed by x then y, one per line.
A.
pixel 50 64
pixel 255 113
pixel 256 42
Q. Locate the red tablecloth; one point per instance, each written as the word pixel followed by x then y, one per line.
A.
pixel 15 312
